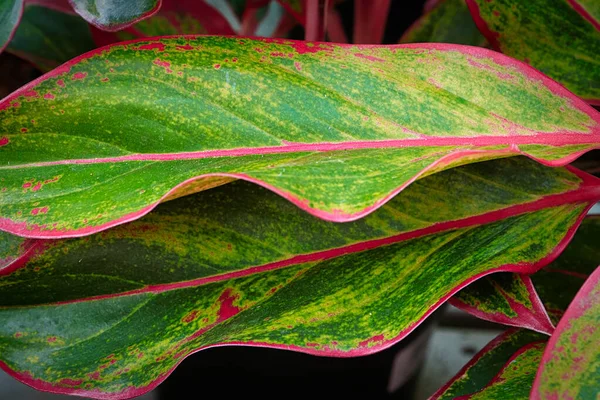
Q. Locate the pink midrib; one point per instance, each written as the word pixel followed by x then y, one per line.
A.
pixel 556 139
pixel 578 196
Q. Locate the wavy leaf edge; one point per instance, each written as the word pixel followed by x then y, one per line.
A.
pixel 22 228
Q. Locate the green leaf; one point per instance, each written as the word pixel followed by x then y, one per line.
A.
pixel 173 18
pixel 488 364
pixel 508 299
pixel 48 38
pixel 114 15
pixel 112 314
pixel 571 362
pixel 10 13
pixel 448 21
pixel 515 300
pixel 336 129
pixel 553 36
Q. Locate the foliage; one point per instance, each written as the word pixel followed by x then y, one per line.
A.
pixel 164 195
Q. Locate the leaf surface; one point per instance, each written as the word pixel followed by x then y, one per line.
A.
pixel 486 365
pixel 10 13
pixel 336 129
pixel 111 314
pixel 571 362
pixel 515 300
pixel 173 18
pixel 554 36
pixel 447 21
pixel 47 37
pixel 114 15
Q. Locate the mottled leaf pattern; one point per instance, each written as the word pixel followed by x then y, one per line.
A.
pixel 515 300
pixel 571 363
pixel 112 314
pixel 508 299
pixel 113 15
pixel 47 38
pixel 10 13
pixel 515 378
pixel 551 35
pixel 448 21
pixel 487 364
pixel 336 129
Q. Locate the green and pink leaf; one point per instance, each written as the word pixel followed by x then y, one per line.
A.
pixel 561 38
pixel 571 362
pixel 209 270
pixel 347 127
pixel 486 368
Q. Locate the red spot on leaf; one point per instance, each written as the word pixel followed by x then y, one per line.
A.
pixel 234 59
pixel 24 130
pixel 217 66
pixel 165 64
pixel 3 141
pixel 227 309
pixel 94 376
pixel 140 355
pixel 190 317
pixel 49 96
pixel 60 83
pixel 298 65
pixel 39 210
pixel 312 344
pixel 51 339
pixel 31 93
pixel 70 382
pixel 373 340
pixel 78 76
pixel 185 47
pixel 37 187
pixel 152 46
pixel 18 335
pixel 104 80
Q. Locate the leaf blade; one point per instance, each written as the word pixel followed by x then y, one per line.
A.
pixel 296 157
pixel 114 15
pixel 335 277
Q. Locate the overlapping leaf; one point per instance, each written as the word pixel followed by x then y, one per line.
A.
pixel 558 37
pixel 10 13
pixel 571 362
pixel 447 21
pixel 514 299
pixel 114 15
pixel 48 38
pixel 111 314
pixel 338 130
pixel 487 366
pixel 173 18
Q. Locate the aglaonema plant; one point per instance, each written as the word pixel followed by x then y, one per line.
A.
pixel 317 197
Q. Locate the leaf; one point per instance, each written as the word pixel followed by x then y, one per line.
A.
pixel 336 129
pixel 10 14
pixel 486 365
pixel 571 362
pixel 174 18
pixel 506 365
pixel 111 314
pixel 447 21
pixel 508 299
pixel 47 37
pixel 114 15
pixel 512 299
pixel 551 35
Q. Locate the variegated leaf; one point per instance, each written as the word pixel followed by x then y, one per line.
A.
pixel 336 129
pixel 110 315
pixel 558 37
pixel 483 375
pixel 514 299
